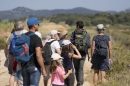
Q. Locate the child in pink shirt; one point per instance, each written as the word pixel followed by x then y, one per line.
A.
pixel 57 71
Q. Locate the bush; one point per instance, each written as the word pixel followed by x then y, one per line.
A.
pixel 2 43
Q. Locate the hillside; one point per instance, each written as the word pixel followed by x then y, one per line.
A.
pixel 21 12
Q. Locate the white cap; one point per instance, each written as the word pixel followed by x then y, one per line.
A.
pixel 100 26
pixel 56 56
pixel 53 32
pixel 38 34
pixel 65 42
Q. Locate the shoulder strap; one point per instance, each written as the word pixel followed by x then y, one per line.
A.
pixel 50 42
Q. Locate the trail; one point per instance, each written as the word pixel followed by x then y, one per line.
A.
pixel 4 76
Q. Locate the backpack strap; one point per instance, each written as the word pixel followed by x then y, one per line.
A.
pixel 50 42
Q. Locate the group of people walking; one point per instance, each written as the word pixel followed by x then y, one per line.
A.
pixel 67 58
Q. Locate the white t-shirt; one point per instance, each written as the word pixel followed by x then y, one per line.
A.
pixel 54 45
pixel 17 33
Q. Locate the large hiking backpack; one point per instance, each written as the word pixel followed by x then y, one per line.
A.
pixel 47 52
pixel 80 40
pixel 21 49
pixel 101 48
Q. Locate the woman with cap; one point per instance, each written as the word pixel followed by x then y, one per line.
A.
pixel 101 44
pixel 67 54
pixel 57 71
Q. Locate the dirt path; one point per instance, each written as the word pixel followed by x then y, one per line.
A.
pixel 4 76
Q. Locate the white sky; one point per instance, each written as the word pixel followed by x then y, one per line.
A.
pixel 101 5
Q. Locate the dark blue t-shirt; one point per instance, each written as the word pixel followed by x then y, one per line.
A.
pixel 67 61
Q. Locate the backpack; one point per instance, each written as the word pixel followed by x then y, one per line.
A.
pixel 101 48
pixel 21 49
pixel 80 40
pixel 47 52
pixel 12 45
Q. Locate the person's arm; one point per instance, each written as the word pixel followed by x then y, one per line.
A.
pixel 67 74
pixel 92 48
pixel 110 49
pixel 88 40
pixel 57 47
pixel 72 38
pixel 40 60
pixel 77 55
pixel 58 50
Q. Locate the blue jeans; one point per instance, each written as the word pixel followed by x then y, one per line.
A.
pixel 78 65
pixel 31 76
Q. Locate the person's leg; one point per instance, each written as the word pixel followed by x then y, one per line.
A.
pixel 95 77
pixel 76 66
pixel 11 80
pixel 26 77
pixel 80 72
pixel 35 75
pixel 103 73
pixel 71 79
pixel 47 67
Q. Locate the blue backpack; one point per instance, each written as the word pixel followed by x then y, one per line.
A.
pixel 21 49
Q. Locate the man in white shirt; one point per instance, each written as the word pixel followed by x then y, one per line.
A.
pixel 55 47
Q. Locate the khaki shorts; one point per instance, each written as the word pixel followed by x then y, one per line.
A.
pixel 47 68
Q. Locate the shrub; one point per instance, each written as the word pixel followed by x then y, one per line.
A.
pixel 2 43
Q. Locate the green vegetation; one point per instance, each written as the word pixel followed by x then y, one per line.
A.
pixel 119 31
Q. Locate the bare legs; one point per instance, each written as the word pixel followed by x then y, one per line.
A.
pixel 96 76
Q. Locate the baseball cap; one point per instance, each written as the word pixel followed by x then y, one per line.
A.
pixel 65 42
pixel 32 21
pixel 100 26
pixel 56 56
pixel 53 32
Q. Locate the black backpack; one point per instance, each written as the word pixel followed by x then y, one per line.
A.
pixel 47 52
pixel 80 40
pixel 101 48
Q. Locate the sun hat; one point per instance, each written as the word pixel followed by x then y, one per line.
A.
pixel 53 32
pixel 56 56
pixel 65 42
pixel 32 21
pixel 100 27
pixel 63 33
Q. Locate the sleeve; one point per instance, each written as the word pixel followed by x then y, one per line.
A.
pixel 88 40
pixel 94 38
pixel 60 70
pixel 38 42
pixel 72 38
pixel 9 39
pixel 56 44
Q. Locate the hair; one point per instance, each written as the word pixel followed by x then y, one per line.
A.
pixel 66 49
pixel 100 30
pixel 19 26
pixel 53 66
pixel 80 24
pixel 13 30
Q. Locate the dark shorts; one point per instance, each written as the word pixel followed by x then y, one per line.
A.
pixel 99 63
pixel 10 66
pixel 47 68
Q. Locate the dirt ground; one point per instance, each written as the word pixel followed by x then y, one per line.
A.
pixel 4 76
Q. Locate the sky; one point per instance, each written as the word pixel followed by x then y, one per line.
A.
pixel 100 5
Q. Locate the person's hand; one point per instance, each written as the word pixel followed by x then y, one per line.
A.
pixel 73 46
pixel 43 72
pixel 70 71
